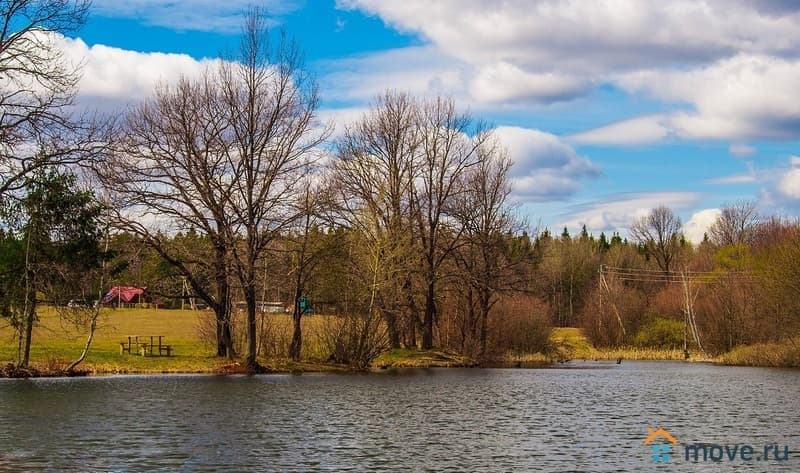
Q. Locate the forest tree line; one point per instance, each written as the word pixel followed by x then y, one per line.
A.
pixel 227 188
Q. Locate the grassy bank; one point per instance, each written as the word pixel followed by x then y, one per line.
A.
pixel 779 354
pixel 569 343
pixel 409 358
pixel 56 344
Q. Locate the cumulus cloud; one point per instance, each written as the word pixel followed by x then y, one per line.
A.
pixel 545 168
pixel 789 184
pixel 618 212
pixel 339 118
pixel 731 64
pixel 114 77
pixel 199 15
pixel 504 82
pixel 697 226
pixel 745 96
pixel 601 34
pixel 740 98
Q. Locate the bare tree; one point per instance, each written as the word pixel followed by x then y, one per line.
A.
pixel 37 88
pixel 372 180
pixel 659 234
pixel 449 145
pixel 269 104
pixel 171 174
pixel 223 155
pixel 308 249
pixel 487 220
pixel 735 224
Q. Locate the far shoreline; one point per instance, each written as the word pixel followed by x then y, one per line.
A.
pixel 319 368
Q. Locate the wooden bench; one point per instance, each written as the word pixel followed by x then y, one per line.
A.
pixel 125 347
pixel 146 345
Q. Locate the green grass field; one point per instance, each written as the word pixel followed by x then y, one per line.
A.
pixel 56 342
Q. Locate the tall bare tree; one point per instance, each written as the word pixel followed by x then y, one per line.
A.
pixel 735 224
pixel 487 219
pixel 659 233
pixel 269 103
pixel 171 175
pixel 224 155
pixel 449 146
pixel 373 178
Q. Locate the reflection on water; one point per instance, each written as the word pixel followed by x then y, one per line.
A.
pixel 569 418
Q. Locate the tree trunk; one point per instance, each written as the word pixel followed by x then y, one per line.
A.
pixel 297 333
pixel 89 338
pixel 412 316
pixel 484 323
pixel 468 330
pixel 224 336
pixel 28 319
pixel 430 316
pixel 391 328
pixel 250 362
pixel 222 311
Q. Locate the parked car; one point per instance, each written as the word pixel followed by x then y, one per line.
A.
pixel 74 303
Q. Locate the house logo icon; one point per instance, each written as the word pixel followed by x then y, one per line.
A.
pixel 660 442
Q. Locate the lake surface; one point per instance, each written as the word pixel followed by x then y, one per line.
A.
pixel 578 417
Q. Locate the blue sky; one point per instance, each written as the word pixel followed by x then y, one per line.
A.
pixel 607 107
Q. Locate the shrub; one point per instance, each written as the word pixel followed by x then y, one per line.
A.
pixel 355 339
pixel 660 333
pixel 519 325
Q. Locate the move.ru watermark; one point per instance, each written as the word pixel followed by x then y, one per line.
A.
pixel 698 452
pixel 661 443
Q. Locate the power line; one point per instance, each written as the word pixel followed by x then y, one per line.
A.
pixel 657 275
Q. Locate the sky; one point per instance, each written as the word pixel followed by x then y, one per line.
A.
pixel 608 108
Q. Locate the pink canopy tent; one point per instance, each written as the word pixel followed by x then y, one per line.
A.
pixel 124 294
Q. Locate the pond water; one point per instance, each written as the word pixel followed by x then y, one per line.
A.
pixel 577 417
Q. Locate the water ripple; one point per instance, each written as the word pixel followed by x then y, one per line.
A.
pixel 576 418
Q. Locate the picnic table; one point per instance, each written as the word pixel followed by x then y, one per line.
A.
pixel 145 345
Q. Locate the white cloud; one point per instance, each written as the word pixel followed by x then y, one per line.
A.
pixel 619 211
pixel 789 184
pixel 776 189
pixel 339 118
pixel 742 150
pixel 742 178
pixel 113 77
pixel 592 35
pixel 697 226
pixel 634 131
pixel 746 96
pixel 419 70
pixel 200 15
pixel 545 168
pixel 504 82
pixel 732 65
pixel 740 98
